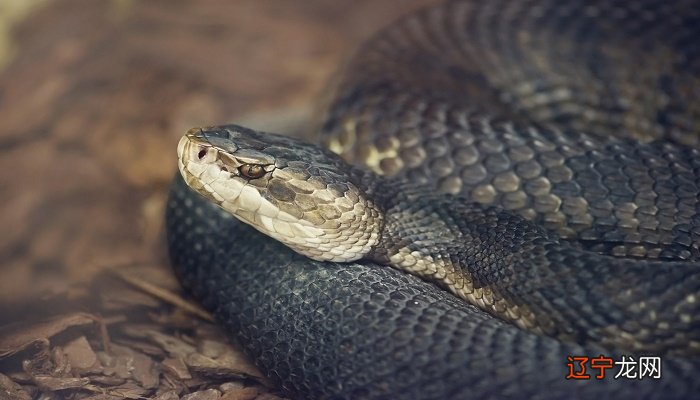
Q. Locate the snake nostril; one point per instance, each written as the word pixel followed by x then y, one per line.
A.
pixel 202 153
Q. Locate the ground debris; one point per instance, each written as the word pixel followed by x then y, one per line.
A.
pixel 131 352
pixel 210 354
pixel 128 390
pixel 81 356
pixel 176 367
pixel 169 395
pixel 244 393
pixel 15 338
pixel 209 394
pixel 52 384
pixel 151 348
pixel 12 391
pixel 87 152
pixel 101 396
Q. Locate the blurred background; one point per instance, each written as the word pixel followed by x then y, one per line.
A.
pixel 93 98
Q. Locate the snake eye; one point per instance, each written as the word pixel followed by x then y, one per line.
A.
pixel 252 171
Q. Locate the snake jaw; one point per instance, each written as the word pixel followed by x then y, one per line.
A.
pixel 294 192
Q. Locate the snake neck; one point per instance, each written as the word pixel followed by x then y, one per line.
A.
pixel 458 245
pixel 514 269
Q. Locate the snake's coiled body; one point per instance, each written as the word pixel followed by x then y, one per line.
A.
pixel 579 116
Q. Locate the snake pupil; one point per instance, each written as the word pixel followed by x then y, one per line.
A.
pixel 252 171
pixel 202 153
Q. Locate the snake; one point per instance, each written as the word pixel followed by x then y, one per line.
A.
pixel 500 189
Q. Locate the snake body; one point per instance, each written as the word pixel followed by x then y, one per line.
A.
pixel 561 138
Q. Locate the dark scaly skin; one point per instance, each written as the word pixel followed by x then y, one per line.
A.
pixel 538 281
pixel 441 97
pixel 575 295
pixel 361 342
pixel 355 331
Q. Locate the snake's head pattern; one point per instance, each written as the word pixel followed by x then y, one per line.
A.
pixel 288 189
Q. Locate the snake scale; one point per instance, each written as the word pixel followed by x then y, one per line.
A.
pixel 533 165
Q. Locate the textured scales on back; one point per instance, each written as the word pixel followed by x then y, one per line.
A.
pixel 529 106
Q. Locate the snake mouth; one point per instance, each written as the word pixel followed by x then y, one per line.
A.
pixel 196 149
pixel 202 164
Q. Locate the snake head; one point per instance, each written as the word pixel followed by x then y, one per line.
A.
pixel 306 197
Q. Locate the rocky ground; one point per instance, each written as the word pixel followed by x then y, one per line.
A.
pixel 93 98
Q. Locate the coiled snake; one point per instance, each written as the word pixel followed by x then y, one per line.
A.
pixel 542 167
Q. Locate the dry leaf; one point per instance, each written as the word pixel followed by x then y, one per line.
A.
pixel 247 393
pixel 128 391
pixel 12 391
pixel 209 394
pixel 169 395
pixel 50 383
pixel 177 368
pixel 81 356
pixel 17 337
